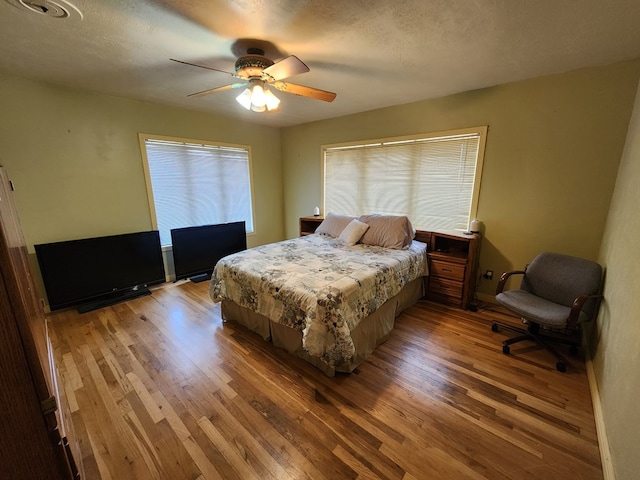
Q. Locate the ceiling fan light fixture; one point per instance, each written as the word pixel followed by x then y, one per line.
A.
pixel 257 94
pixel 272 102
pixel 244 99
pixel 257 72
pixel 258 98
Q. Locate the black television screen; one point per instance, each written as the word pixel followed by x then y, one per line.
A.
pixel 80 271
pixel 196 250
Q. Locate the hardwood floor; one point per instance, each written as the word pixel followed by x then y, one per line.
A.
pixel 159 388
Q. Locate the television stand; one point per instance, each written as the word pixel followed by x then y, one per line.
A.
pixel 113 298
pixel 203 277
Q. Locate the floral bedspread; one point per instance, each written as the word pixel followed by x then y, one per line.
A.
pixel 317 285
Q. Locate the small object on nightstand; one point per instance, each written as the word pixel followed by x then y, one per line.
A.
pixel 474 227
pixel 316 212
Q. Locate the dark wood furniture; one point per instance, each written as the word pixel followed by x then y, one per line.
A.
pixel 308 225
pixel 33 444
pixel 452 257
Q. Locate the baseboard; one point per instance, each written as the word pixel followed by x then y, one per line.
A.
pixel 603 442
pixel 483 297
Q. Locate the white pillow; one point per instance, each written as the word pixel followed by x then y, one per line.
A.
pixel 353 232
pixel 333 224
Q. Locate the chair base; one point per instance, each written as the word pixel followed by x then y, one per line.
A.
pixel 532 333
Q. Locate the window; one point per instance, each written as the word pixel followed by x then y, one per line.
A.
pixel 191 182
pixel 434 179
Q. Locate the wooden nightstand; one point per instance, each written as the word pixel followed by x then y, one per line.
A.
pixel 453 262
pixel 308 225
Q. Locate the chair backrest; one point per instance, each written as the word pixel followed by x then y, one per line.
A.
pixel 562 278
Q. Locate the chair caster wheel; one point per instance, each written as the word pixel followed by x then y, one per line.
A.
pixel 494 327
pixel 506 349
pixel 573 350
pixel 561 367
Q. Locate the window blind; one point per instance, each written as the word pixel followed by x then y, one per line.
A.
pixel 434 181
pixel 195 184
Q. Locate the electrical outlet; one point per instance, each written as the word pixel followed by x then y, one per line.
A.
pixel 488 274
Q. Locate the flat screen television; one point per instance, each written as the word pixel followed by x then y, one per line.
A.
pixel 196 250
pixel 95 272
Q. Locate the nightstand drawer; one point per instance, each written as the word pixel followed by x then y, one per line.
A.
pixel 444 286
pixel 445 269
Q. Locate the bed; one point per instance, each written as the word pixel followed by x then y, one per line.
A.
pixel 330 298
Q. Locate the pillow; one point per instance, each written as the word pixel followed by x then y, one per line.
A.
pixel 388 231
pixel 333 224
pixel 353 232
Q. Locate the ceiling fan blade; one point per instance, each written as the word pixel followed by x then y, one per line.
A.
pixel 285 68
pixel 203 66
pixel 305 91
pixel 217 89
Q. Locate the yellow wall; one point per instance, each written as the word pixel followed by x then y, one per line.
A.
pixel 552 153
pixel 75 160
pixel 616 348
pixel 553 149
pixel 551 162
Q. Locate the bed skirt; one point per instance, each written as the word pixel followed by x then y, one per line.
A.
pixel 370 332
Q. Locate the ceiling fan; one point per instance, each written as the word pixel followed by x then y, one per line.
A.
pixel 256 71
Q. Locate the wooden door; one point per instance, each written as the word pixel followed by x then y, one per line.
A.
pixel 30 444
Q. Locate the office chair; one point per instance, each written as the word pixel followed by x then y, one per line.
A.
pixel 557 294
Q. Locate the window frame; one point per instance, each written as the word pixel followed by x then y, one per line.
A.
pixel 481 131
pixel 189 141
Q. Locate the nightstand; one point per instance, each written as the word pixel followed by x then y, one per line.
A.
pixel 308 225
pixel 453 262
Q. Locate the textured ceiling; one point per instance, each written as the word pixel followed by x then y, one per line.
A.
pixel 372 53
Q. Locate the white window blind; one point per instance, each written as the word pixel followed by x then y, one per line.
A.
pixel 433 180
pixel 197 184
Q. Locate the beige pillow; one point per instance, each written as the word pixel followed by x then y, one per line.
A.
pixel 353 232
pixel 388 231
pixel 333 224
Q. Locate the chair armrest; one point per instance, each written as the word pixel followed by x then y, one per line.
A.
pixel 504 277
pixel 576 307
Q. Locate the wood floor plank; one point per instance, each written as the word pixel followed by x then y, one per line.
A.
pixel 503 406
pixel 287 423
pixel 279 447
pixel 248 445
pixel 161 388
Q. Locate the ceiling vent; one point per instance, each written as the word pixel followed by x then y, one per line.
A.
pixel 50 8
